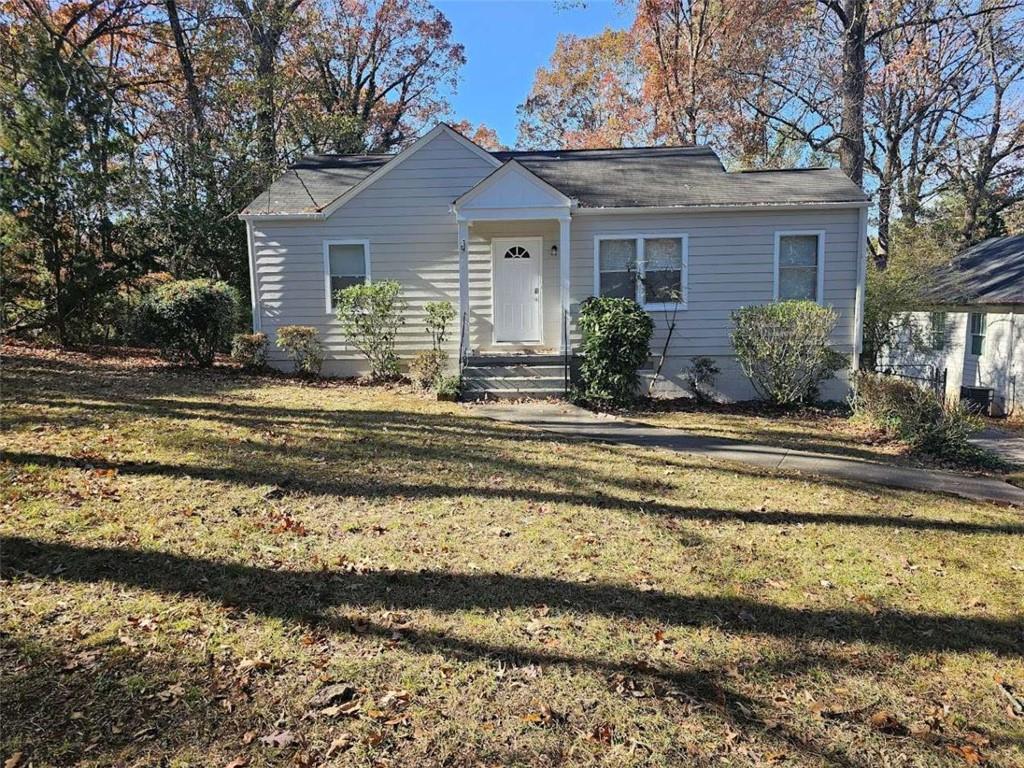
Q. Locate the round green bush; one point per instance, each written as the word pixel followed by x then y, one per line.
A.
pixel 190 320
pixel 616 342
pixel 783 348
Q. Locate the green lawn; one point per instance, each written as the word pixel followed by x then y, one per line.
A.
pixel 191 560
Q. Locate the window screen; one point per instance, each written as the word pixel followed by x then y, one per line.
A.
pixel 798 267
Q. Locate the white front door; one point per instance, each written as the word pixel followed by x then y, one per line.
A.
pixel 517 288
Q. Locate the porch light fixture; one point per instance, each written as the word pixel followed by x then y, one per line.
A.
pixel 554 251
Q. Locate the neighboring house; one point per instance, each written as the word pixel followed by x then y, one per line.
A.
pixel 971 333
pixel 516 240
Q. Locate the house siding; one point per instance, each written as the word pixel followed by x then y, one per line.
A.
pixel 413 237
pixel 406 217
pixel 999 367
pixel 731 264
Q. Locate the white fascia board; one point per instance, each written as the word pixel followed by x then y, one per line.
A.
pixel 254 217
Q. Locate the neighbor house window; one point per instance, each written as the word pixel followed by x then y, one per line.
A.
pixel 346 262
pixel 977 333
pixel 937 331
pixel 799 258
pixel 651 269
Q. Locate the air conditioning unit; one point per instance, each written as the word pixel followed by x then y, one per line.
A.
pixel 977 399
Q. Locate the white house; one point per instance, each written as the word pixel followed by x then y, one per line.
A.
pixel 971 332
pixel 517 239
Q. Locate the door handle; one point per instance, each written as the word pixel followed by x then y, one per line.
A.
pixel 536 291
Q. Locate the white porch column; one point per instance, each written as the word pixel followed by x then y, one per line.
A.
pixel 463 290
pixel 564 277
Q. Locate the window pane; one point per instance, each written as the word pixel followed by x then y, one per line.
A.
pixel 663 286
pixel 798 283
pixel 617 255
pixel 938 330
pixel 977 344
pixel 663 253
pixel 977 322
pixel 339 282
pixel 798 250
pixel 619 285
pixel 348 260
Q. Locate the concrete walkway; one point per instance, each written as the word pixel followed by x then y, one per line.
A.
pixel 573 422
pixel 1003 443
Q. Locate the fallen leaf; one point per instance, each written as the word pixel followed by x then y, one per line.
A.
pixel 886 722
pixel 603 734
pixel 970 754
pixel 15 760
pixel 340 744
pixel 332 694
pixel 281 739
pixel 239 762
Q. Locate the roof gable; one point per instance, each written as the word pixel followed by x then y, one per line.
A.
pixel 345 176
pixel 511 186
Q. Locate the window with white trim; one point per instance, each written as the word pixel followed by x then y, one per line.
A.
pixel 798 257
pixel 346 262
pixel 937 335
pixel 978 333
pixel 650 269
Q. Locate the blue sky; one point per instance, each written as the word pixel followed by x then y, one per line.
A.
pixel 506 40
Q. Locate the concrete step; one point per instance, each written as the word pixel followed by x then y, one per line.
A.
pixel 518 371
pixel 511 394
pixel 515 383
pixel 497 360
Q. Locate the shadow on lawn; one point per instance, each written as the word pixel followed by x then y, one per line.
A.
pixel 308 480
pixel 304 596
pixel 318 599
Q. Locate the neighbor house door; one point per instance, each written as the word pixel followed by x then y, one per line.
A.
pixel 517 288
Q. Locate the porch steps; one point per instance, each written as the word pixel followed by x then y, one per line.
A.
pixel 503 377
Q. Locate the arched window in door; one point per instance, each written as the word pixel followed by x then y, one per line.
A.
pixel 517 252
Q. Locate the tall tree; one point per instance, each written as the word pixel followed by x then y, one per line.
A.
pixel 265 23
pixel 64 167
pixel 589 95
pixel 368 76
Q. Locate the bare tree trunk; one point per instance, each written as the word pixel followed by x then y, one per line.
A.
pixel 851 140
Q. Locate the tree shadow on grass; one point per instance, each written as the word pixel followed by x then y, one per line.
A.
pixel 293 478
pixel 303 596
pixel 318 600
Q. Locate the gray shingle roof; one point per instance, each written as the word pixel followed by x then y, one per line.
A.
pixel 991 272
pixel 677 176
pixel 314 182
pixel 597 178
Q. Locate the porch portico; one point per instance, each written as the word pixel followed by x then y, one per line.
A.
pixel 514 265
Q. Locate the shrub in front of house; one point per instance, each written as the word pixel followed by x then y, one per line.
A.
pixel 919 417
pixel 701 376
pixel 371 315
pixel 783 348
pixel 616 342
pixel 427 367
pixel 249 349
pixel 189 320
pixel 302 345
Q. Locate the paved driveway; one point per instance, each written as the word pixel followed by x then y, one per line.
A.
pixel 1008 445
pixel 574 422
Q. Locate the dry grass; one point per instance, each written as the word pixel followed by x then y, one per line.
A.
pixel 189 558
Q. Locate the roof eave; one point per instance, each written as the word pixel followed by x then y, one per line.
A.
pixel 726 207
